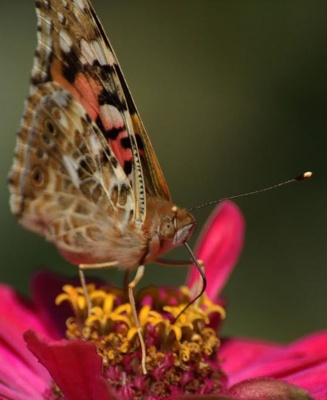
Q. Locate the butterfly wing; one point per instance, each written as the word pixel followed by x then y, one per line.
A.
pixel 66 183
pixel 74 51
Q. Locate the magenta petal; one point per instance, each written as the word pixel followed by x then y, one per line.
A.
pixel 238 354
pixel 74 365
pixel 219 247
pixel 266 389
pixel 313 379
pixel 20 375
pixel 309 356
pixel 315 343
pixel 282 363
pixel 17 314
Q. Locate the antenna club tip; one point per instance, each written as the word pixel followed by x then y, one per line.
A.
pixel 306 175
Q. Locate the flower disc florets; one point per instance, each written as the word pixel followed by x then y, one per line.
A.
pixel 181 349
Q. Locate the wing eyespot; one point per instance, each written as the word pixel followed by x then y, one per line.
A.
pixel 46 139
pixel 50 128
pixel 39 153
pixel 38 177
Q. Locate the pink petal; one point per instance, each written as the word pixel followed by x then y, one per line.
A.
pixel 315 343
pixel 74 365
pixel 219 247
pixel 310 358
pixel 238 354
pixel 312 379
pixel 20 374
pixel 17 314
pixel 282 362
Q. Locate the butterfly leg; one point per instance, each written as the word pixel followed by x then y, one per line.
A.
pixel 85 291
pixel 81 269
pixel 131 286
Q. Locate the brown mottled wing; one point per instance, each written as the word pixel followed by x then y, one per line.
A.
pixel 74 51
pixel 65 182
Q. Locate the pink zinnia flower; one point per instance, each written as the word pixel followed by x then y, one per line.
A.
pixel 183 356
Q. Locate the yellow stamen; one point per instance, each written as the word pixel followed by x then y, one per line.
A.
pixel 111 326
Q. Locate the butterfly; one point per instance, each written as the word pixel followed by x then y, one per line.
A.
pixel 85 175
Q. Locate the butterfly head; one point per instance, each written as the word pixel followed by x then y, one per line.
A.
pixel 176 226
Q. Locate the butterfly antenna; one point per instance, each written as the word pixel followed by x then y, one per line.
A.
pixel 302 177
pixel 203 277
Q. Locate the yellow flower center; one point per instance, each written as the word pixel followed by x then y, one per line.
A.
pixel 187 344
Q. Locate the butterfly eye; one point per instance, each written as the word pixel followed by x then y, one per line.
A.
pixel 167 229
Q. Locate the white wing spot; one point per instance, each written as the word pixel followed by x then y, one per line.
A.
pixel 48 30
pixel 61 17
pixel 112 115
pixel 80 4
pixel 61 99
pixel 109 56
pixel 99 53
pixel 65 41
pixel 63 121
pixel 95 145
pixel 120 174
pixel 87 52
pixel 95 51
pixel 71 167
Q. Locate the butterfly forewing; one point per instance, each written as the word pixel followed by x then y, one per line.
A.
pixel 83 62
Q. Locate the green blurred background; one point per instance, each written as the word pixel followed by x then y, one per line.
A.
pixel 234 97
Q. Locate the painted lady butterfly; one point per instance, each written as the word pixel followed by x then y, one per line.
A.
pixel 85 175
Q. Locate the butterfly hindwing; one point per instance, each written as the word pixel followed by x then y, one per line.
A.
pixel 67 183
